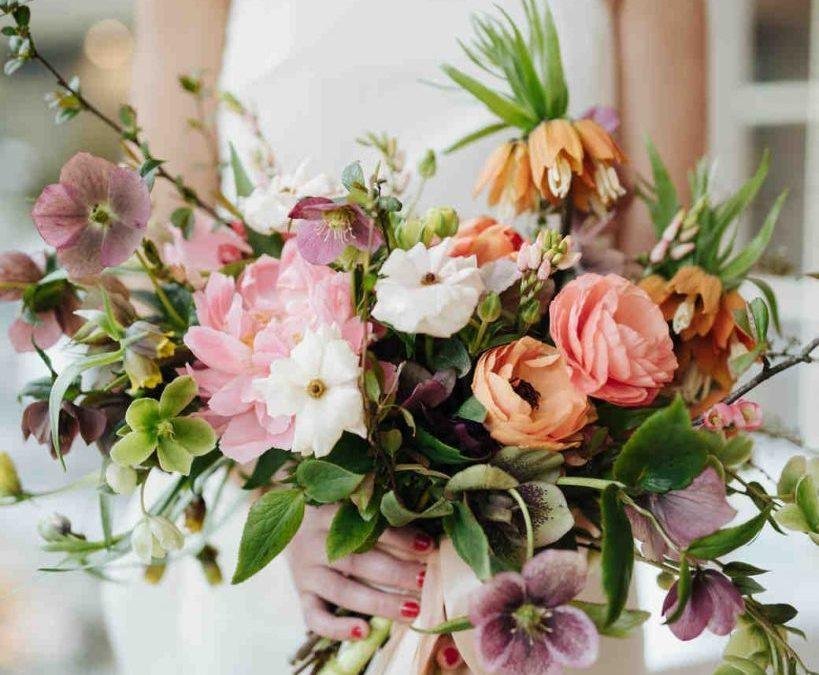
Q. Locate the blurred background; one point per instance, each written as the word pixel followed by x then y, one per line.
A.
pixel 764 59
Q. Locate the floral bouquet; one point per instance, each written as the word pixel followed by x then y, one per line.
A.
pixel 500 388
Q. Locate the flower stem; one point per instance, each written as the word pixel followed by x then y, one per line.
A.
pixel 160 293
pixel 527 520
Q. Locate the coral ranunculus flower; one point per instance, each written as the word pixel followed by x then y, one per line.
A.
pixel 508 174
pixel 614 338
pixel 486 239
pixel 530 400
pixel 701 312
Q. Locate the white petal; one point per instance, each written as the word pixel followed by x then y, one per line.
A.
pixel 167 535
pixel 339 364
pixel 142 540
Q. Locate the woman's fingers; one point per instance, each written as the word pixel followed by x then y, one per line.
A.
pixel 339 590
pixel 378 567
pixel 412 543
pixel 320 620
pixel 447 654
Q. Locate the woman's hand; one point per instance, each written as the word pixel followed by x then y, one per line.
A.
pixel 354 582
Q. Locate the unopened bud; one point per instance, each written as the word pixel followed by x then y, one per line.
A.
pixel 428 165
pixel 530 314
pixel 681 250
pixel 442 220
pixel 121 479
pixel 688 233
pixel 410 232
pixel 523 257
pixel 670 232
pixel 490 308
pixel 195 513
pixel 665 580
pixel 54 527
pixel 210 567
pixel 9 479
pixel 544 270
pixel 659 252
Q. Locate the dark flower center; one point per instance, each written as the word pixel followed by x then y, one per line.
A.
pixel 428 279
pixel 100 214
pixel 316 388
pixel 527 392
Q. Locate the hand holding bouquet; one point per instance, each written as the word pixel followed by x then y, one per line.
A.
pixel 515 393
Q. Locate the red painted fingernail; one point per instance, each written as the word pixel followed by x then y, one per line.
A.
pixel 422 543
pixel 410 609
pixel 356 632
pixel 420 578
pixel 452 657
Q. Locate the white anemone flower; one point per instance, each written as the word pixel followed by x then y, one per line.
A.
pixel 318 385
pixel 267 207
pixel 425 290
pixel 154 536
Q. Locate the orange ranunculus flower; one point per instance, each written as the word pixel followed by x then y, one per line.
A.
pixel 509 177
pixel 529 397
pixel 702 314
pixel 486 239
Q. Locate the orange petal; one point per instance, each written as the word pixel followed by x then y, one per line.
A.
pixel 598 142
pixel 493 166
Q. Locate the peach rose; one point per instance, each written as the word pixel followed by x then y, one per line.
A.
pixel 486 239
pixel 614 338
pixel 530 400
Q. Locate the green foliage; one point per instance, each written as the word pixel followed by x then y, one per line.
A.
pixel 684 586
pixel 469 539
pixel 399 515
pixel 451 353
pixel 272 522
pixel 472 409
pixel 325 482
pixel 348 531
pixel 663 204
pixel 456 625
pixel 623 627
pixel 664 453
pixel 617 555
pixel 267 465
pixel 480 477
pixel 724 541
pixel 243 184
pixel 438 451
pixel 183 218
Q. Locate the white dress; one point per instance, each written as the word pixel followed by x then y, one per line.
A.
pixel 319 73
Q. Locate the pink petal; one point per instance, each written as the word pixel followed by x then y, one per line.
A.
pixel 214 302
pixel 129 198
pixel 45 334
pixel 695 616
pixel 493 639
pixel 218 350
pixel 311 208
pixel 18 268
pixel 573 640
pixel 81 258
pixel 654 546
pixel 59 215
pixel 229 399
pixel 500 595
pixel 317 244
pixel 89 175
pixel 245 439
pixel 118 244
pixel 554 577
pixel 728 602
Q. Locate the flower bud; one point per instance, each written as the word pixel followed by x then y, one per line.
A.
pixel 522 259
pixel 545 270
pixel 489 309
pixel 530 314
pixel 195 513
pixel 121 479
pixel 54 527
pixel 154 536
pixel 442 220
pixel 747 414
pixel 670 232
pixel 659 252
pixel 410 232
pixel 428 165
pixel 718 417
pixel 9 479
pixel 681 250
pixel 207 558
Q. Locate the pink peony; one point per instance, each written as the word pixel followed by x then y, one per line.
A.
pixel 95 216
pixel 207 249
pixel 614 339
pixel 247 324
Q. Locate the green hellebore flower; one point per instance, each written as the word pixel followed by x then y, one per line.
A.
pixel 155 425
pixel 9 480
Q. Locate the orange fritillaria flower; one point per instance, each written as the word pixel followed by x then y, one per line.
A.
pixel 599 186
pixel 509 177
pixel 555 156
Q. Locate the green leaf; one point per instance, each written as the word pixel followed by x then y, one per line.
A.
pixel 778 613
pixel 736 268
pixel 737 568
pixel 243 184
pixel 759 310
pixel 628 620
pixel 476 135
pixel 326 482
pixel 272 522
pixel 348 531
pixel 736 665
pixel 807 499
pixel 480 477
pixel 469 539
pixel 508 110
pixel 554 81
pixel 666 204
pixel 617 555
pixel 731 208
pixel 183 218
pixel 437 450
pixel 770 297
pixel 267 465
pixel 265 244
pixel 399 515
pixel 452 353
pixel 528 464
pixel 724 541
pixel 664 453
pixel 684 587
pixel 352 453
pixel 735 451
pixel 472 409
pixel 63 383
pixel 747 585
pixel 455 625
pixel 353 176
pixel 177 396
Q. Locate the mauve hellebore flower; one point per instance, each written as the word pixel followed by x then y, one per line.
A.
pixel 524 624
pixel 715 604
pixel 95 216
pixel 329 227
pixel 74 419
pixel 685 515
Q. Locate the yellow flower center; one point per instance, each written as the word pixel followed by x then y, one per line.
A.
pixel 316 388
pixel 428 279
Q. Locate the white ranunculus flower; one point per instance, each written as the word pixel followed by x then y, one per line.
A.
pixel 318 385
pixel 424 290
pixel 154 536
pixel 267 207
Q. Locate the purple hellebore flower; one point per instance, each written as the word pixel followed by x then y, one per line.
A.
pixel 715 604
pixel 418 388
pixel 74 419
pixel 604 115
pixel 95 216
pixel 523 623
pixel 329 227
pixel 685 515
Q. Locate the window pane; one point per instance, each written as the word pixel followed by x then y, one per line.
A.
pixel 787 146
pixel 781 40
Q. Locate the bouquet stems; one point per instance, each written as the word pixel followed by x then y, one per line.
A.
pixel 352 657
